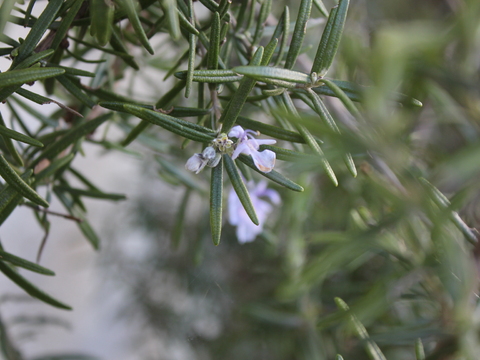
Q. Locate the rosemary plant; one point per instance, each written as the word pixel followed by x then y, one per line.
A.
pixel 314 139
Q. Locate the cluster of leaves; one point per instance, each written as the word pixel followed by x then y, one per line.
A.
pixel 34 59
pixel 238 66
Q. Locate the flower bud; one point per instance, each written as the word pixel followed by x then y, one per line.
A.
pixel 196 163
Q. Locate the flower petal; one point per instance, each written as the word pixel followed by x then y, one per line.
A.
pixel 247 232
pixel 237 132
pixel 234 208
pixel 264 160
pixel 273 196
pixel 257 190
pixel 266 141
pixel 242 148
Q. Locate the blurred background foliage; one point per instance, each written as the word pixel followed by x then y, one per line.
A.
pixel 397 243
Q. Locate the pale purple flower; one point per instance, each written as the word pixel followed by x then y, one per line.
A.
pixel 197 162
pixel 247 231
pixel 248 145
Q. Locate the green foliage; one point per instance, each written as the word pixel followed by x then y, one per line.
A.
pixel 364 217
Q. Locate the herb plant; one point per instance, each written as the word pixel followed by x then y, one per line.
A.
pixel 293 132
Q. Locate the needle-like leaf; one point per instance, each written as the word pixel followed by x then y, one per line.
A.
pixel 29 288
pixel 444 204
pixel 211 76
pixel 214 49
pixel 70 137
pixel 321 7
pixel 322 110
pixel 5 9
pixel 371 347
pixel 210 5
pixel 309 139
pixel 18 261
pixel 10 198
pixel 272 175
pixel 262 17
pixel 265 73
pixel 76 211
pixel 178 126
pixel 38 29
pixel 419 350
pixel 101 15
pixel 34 58
pixel 170 9
pixel 23 76
pixel 74 88
pixel 234 107
pixel 284 28
pixel 330 39
pixel 9 144
pixel 240 188
pixel 192 46
pixel 129 7
pixel 14 180
pixel 216 201
pixel 15 135
pixel 62 30
pixel 298 33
